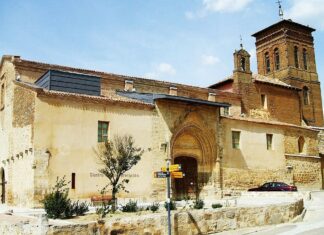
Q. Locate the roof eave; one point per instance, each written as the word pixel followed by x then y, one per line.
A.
pixel 280 22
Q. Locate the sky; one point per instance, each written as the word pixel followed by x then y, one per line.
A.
pixel 181 41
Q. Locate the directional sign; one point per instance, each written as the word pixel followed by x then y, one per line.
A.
pixel 175 167
pixel 160 174
pixel 177 174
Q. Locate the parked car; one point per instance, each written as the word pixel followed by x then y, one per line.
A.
pixel 274 186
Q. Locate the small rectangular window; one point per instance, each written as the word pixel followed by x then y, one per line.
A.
pixel 236 139
pixel 264 101
pixel 73 181
pixel 224 111
pixel 269 141
pixel 103 131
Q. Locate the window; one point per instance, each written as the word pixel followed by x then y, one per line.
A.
pixel 243 64
pixel 277 59
pixel 306 95
pixel 296 57
pixel 264 101
pixel 224 111
pixel 2 96
pixel 236 139
pixel 73 181
pixel 269 141
pixel 305 58
pixel 102 131
pixel 267 62
pixel 301 144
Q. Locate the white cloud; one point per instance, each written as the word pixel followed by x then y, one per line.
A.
pixel 166 68
pixel 307 11
pixel 161 70
pixel 217 6
pixel 225 5
pixel 209 60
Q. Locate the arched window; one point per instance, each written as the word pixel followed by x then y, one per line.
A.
pixel 306 95
pixel 301 144
pixel 305 58
pixel 267 62
pixel 277 59
pixel 243 64
pixel 296 57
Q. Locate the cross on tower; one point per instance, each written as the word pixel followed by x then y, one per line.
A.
pixel 281 14
pixel 241 42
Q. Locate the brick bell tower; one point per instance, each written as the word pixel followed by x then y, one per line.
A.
pixel 285 51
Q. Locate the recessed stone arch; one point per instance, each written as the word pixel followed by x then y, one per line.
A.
pixel 193 141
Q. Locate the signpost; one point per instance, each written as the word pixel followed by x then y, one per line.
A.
pixel 175 167
pixel 168 196
pixel 177 175
pixel 160 174
pixel 167 172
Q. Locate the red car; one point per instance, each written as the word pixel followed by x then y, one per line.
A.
pixel 274 186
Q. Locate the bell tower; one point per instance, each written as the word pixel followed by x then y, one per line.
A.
pixel 285 51
pixel 242 74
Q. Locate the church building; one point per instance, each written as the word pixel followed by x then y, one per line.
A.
pixel 236 134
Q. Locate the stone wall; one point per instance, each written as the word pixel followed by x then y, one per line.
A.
pixel 306 171
pixel 243 179
pixel 183 222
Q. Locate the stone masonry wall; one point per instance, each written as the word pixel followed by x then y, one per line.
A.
pixel 183 222
pixel 243 179
pixel 306 171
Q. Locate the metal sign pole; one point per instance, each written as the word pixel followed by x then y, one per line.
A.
pixel 168 196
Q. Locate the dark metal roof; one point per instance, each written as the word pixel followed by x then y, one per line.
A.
pixel 283 22
pixel 151 98
pixel 70 82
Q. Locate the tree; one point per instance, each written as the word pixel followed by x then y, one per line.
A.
pixel 118 157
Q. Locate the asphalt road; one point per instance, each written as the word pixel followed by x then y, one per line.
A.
pixel 313 223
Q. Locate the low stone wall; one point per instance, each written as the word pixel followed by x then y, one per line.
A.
pixel 183 222
pixel 207 221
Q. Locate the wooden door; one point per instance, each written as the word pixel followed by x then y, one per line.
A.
pixel 187 186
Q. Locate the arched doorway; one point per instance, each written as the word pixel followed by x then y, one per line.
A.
pixel 3 185
pixel 187 187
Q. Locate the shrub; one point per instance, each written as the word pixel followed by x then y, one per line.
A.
pixel 57 203
pixel 79 208
pixel 154 207
pixel 198 204
pixel 172 205
pixel 216 205
pixel 130 206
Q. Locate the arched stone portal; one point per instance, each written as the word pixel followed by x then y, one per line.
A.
pixel 192 148
pixel 187 187
pixel 3 185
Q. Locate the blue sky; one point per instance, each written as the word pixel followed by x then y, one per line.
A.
pixel 183 41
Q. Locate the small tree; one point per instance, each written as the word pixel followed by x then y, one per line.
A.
pixel 118 157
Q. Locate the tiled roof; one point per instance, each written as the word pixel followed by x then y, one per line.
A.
pixel 221 81
pixel 269 122
pixel 47 66
pixel 110 97
pixel 272 81
pixel 262 79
